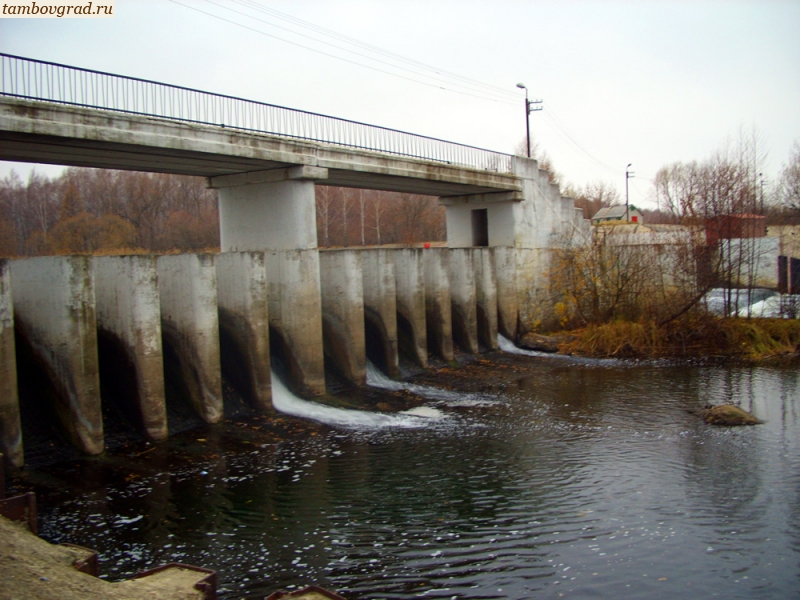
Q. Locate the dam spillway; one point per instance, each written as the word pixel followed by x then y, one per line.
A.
pixel 112 329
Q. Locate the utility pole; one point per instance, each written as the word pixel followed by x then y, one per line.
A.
pixel 628 175
pixel 529 108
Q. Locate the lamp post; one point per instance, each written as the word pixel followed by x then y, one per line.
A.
pixel 628 175
pixel 528 110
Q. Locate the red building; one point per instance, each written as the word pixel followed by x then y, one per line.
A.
pixel 728 227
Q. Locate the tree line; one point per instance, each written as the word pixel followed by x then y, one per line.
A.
pixel 87 211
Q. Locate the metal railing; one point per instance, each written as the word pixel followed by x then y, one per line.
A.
pixel 52 82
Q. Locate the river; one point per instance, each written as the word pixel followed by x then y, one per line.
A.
pixel 531 477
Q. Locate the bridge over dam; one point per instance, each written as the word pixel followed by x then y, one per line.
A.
pixel 104 328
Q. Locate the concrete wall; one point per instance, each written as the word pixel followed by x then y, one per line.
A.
pixel 10 427
pixel 380 306
pixel 54 310
pixel 187 285
pixel 295 315
pixel 438 312
pixel 129 323
pixel 279 215
pixel 463 299
pixel 500 216
pixel 505 269
pixel 411 320
pixel 244 324
pixel 343 312
pixel 751 261
pixel 486 296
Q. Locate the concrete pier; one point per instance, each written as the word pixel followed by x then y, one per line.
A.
pixel 505 269
pixel 129 338
pixel 54 313
pixel 187 285
pixel 438 313
pixel 380 309
pixel 342 295
pixel 295 315
pixel 409 275
pixel 244 324
pixel 463 299
pixel 10 427
pixel 268 210
pixel 485 296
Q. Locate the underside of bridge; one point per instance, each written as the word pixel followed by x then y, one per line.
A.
pixel 51 133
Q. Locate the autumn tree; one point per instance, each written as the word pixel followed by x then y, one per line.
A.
pixel 789 182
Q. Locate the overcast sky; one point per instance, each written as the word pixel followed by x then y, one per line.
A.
pixel 647 83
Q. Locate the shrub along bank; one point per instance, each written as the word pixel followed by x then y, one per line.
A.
pixel 747 339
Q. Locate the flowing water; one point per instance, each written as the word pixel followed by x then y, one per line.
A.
pixel 553 478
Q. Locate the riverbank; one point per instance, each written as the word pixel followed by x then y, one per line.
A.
pixel 743 339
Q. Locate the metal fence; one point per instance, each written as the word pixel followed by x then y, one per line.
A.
pixel 52 82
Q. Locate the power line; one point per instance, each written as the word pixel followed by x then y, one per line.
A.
pixel 373 68
pixel 490 88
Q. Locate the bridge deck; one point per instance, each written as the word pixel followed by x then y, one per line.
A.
pixel 42 132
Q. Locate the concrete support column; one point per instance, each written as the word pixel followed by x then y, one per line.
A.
pixel 187 284
pixel 54 310
pixel 10 428
pixel 343 312
pixel 535 309
pixel 268 210
pixel 463 299
pixel 380 307
pixel 486 296
pixel 295 315
pixel 129 335
pixel 409 275
pixel 438 312
pixel 505 268
pixel 244 324
pixel 275 211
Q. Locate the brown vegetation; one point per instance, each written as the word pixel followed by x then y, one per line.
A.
pixel 748 339
pixel 96 211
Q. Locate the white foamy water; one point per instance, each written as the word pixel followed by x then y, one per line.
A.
pixel 286 402
pixel 506 345
pixel 378 379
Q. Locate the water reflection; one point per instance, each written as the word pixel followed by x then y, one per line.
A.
pixel 575 479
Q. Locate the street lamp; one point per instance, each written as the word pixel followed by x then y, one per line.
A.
pixel 529 108
pixel 628 175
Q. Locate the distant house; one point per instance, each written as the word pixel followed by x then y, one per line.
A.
pixel 617 213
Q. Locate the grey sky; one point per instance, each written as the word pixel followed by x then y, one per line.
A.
pixel 646 83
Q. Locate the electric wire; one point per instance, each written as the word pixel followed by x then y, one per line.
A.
pixel 490 88
pixel 373 68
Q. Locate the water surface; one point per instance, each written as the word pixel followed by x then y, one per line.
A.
pixel 545 478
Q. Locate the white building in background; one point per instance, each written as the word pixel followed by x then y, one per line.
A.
pixel 618 212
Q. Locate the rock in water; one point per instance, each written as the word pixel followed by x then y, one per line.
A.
pixel 728 415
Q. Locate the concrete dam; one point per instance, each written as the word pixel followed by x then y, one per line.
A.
pixel 95 329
